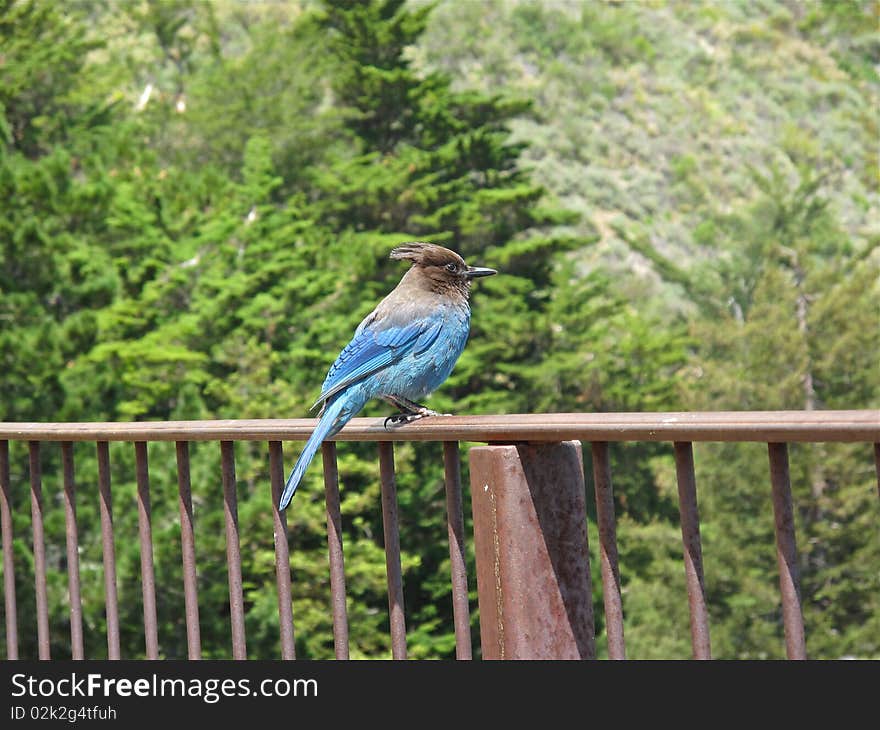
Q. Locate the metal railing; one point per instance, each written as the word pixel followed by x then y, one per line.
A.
pixel 777 429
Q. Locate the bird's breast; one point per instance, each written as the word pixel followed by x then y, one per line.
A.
pixel 421 372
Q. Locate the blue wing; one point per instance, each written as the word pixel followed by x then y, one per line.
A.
pixel 371 350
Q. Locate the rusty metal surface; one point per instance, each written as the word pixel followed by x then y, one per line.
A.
pixel 608 561
pixel 145 535
pixel 392 550
pixel 458 567
pixel 39 551
pixel 693 554
pixel 282 554
pixel 786 552
pixel 111 603
pixel 877 465
pixel 754 426
pixel 188 553
pixel 8 563
pixel 72 544
pixel 530 537
pixel 233 550
pixel 599 429
pixel 334 549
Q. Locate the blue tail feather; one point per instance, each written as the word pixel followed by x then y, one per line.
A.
pixel 334 417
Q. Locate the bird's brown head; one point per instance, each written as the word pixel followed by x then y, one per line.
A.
pixel 440 268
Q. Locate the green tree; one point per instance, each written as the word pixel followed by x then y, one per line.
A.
pixel 55 141
pixel 798 335
pixel 268 277
pixel 59 132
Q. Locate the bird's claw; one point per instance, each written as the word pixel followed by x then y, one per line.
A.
pixel 399 419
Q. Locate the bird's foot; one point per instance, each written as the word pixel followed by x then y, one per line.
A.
pixel 399 419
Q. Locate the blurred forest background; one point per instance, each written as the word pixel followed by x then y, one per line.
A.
pixel 199 198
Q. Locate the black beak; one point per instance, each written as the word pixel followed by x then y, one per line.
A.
pixel 474 272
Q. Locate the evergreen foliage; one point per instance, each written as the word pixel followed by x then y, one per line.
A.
pixel 198 201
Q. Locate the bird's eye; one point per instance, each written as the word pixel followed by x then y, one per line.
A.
pixel 452 268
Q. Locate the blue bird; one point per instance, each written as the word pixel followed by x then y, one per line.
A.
pixel 402 350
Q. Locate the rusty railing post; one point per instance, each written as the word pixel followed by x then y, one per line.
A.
pixel 188 553
pixel 391 528
pixel 693 551
pixel 282 553
pixel 786 552
pixel 145 534
pixel 8 563
pixel 75 598
pixel 111 598
pixel 40 584
pixel 233 550
pixel 530 540
pixel 608 558
pixel 458 565
pixel 334 550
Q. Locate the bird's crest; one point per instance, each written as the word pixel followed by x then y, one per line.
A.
pixel 426 254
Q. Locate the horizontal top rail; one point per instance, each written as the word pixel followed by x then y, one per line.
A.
pixel 756 426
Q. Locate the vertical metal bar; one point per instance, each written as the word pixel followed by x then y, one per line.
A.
pixel 188 553
pixel 693 554
pixel 282 555
pixel 458 568
pixel 786 552
pixel 39 551
pixel 8 564
pixel 76 630
pixel 608 550
pixel 145 533
pixel 532 554
pixel 334 549
pixel 233 550
pixel 877 465
pixel 392 550
pixel 106 505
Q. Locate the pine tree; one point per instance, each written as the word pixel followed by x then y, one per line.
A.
pixel 796 297
pixel 56 190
